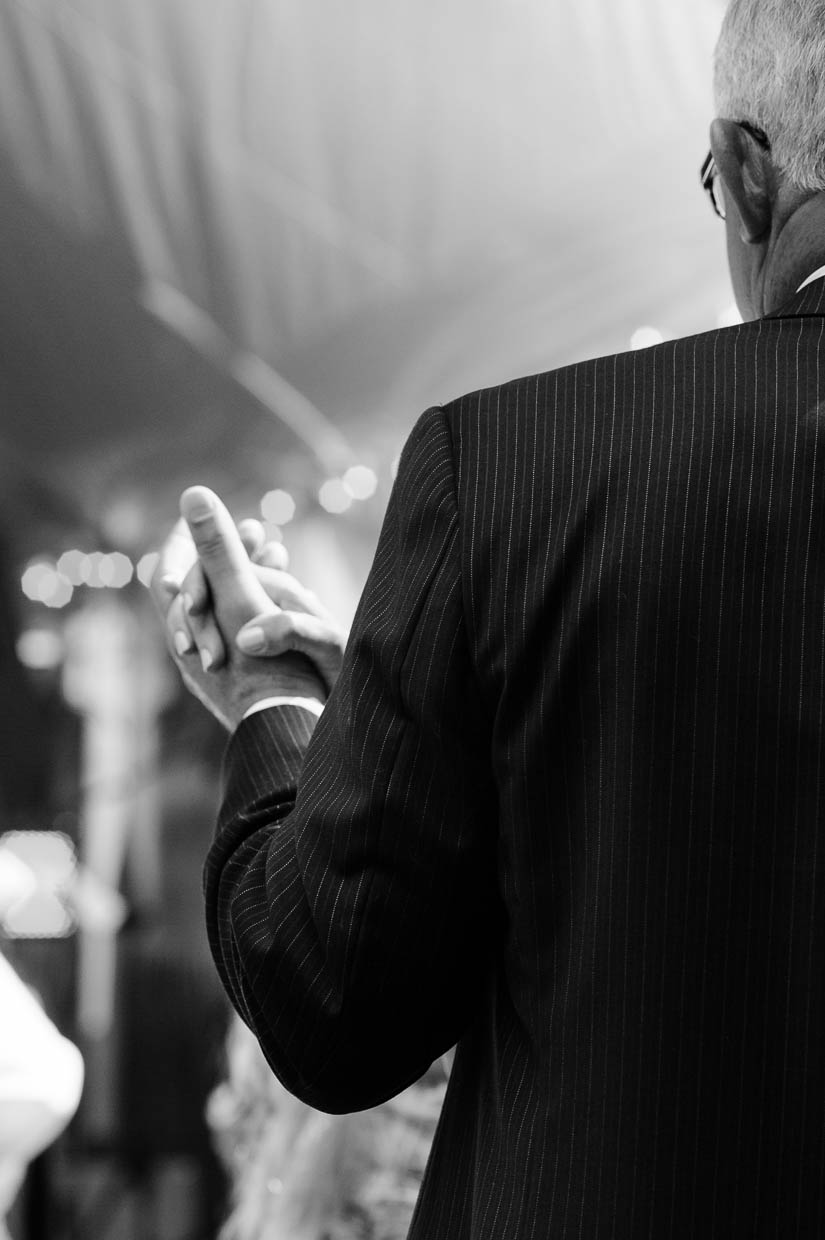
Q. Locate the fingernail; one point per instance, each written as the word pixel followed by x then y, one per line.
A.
pixel 196 506
pixel 251 640
pixel 186 601
pixel 183 642
pixel 206 660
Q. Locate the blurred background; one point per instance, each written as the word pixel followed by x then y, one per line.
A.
pixel 246 243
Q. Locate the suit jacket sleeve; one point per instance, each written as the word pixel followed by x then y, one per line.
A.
pixel 351 897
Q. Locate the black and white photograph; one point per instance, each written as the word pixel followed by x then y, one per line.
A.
pixel 412 620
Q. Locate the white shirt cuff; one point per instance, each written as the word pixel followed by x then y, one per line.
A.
pixel 311 704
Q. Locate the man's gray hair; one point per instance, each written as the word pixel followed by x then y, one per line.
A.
pixel 770 70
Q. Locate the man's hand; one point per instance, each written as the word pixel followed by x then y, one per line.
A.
pixel 206 542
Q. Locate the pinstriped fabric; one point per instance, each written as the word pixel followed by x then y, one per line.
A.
pixel 564 805
pixel 396 783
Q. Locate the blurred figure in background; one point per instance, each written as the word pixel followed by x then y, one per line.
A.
pixel 41 1072
pixel 301 1175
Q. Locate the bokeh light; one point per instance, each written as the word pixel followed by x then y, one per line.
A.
pixel 39 649
pixel 74 566
pixel 146 567
pixel 50 860
pixel 361 482
pixel 36 578
pixel 42 583
pixel 50 855
pixel 334 496
pixel 278 507
pixel 124 521
pixel 41 916
pixel 115 570
pixel 92 575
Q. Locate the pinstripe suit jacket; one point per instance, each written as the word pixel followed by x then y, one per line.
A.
pixel 564 805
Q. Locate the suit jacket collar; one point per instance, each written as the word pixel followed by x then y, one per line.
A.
pixel 809 301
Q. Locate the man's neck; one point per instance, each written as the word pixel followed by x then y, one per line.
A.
pixel 798 251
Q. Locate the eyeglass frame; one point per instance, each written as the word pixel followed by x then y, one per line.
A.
pixel 709 170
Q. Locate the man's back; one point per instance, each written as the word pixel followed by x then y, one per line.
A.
pixel 645 580
pixel 563 805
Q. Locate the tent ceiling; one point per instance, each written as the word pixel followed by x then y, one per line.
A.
pixel 247 239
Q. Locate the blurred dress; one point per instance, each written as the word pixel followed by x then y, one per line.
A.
pixel 299 1174
pixel 41 1078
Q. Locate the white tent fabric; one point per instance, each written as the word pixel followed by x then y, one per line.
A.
pixel 356 210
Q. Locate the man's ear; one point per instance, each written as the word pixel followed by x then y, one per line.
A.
pixel 745 169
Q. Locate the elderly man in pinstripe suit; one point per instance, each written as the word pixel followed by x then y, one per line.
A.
pixel 564 805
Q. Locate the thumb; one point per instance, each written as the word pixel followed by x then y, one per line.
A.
pixel 292 632
pixel 220 550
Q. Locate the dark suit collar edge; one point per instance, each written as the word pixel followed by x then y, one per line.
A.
pixel 809 301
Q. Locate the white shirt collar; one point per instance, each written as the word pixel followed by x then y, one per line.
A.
pixel 816 275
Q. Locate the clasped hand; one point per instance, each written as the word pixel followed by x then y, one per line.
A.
pixel 239 627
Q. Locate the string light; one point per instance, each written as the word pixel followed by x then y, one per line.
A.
pixel 49 854
pixel 49 859
pixel 54 584
pixel 42 916
pixel 115 570
pixel 74 566
pixel 146 567
pixel 39 649
pixel 92 575
pixel 42 583
pixel 334 496
pixel 99 570
pixel 35 578
pixel 85 568
pixel 278 507
pixel 361 482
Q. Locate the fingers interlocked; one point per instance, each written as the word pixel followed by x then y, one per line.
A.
pixel 206 556
pixel 300 624
pixel 265 611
